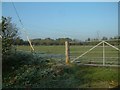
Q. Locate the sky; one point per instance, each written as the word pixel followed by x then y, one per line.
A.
pixel 76 20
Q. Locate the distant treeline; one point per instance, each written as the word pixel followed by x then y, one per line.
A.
pixel 61 41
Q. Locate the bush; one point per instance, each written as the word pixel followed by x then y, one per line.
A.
pixel 19 59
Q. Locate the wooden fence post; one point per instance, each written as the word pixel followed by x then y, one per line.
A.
pixel 67 52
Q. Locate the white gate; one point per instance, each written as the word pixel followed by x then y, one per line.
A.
pixel 103 51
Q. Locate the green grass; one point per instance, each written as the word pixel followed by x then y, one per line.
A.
pixel 75 50
pixel 95 55
pixel 94 76
pixel 45 49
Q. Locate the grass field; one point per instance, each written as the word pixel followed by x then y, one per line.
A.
pixel 74 50
pixel 111 55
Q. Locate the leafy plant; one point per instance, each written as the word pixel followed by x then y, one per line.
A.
pixel 9 33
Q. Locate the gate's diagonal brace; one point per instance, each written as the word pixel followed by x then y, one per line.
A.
pixel 87 51
pixel 112 46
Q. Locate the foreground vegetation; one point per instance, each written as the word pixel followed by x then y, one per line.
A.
pixel 30 70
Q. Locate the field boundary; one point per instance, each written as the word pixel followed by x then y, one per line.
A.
pixel 103 45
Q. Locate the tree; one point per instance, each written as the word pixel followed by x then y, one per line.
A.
pixel 18 41
pixel 48 41
pixel 104 38
pixel 9 34
pixel 61 41
pixel 88 39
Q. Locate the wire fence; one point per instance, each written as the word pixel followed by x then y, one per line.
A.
pixel 106 54
pixel 94 56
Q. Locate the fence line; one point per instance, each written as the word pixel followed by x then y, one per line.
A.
pixel 87 51
pixel 102 42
